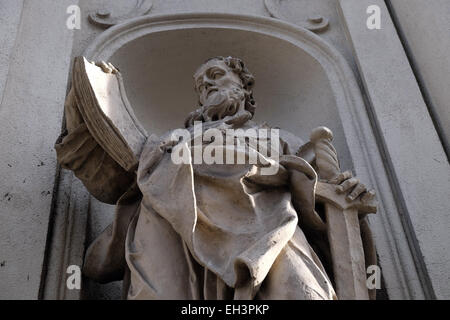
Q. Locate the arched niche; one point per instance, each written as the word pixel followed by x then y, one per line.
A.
pixel 301 82
pixel 298 76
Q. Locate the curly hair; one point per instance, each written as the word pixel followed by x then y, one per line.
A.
pixel 248 80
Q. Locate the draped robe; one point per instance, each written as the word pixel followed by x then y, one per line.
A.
pixel 196 231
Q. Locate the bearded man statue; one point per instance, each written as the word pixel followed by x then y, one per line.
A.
pixel 196 230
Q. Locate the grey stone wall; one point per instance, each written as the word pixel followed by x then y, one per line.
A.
pixel 424 26
pixel 34 65
pixel 47 217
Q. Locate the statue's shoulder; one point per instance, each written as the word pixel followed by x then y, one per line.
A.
pixel 292 142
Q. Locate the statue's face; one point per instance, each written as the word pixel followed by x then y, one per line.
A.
pixel 213 78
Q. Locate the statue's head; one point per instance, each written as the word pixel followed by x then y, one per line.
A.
pixel 224 88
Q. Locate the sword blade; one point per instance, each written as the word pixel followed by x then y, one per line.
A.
pixel 347 253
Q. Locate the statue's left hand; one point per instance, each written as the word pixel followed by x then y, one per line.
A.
pixel 350 185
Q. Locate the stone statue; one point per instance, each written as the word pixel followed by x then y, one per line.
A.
pixel 202 230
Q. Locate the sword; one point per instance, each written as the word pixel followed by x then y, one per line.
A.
pixel 342 222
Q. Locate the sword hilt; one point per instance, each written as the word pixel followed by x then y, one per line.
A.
pixel 326 156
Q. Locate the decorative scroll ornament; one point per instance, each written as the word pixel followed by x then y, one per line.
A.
pixel 104 19
pixel 316 23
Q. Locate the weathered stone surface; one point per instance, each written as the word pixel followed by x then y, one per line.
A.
pixel 425 26
pixel 35 58
pixel 30 112
pixel 414 152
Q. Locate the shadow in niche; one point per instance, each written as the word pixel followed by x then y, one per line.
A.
pixel 96 291
pixel 292 90
pixel 99 217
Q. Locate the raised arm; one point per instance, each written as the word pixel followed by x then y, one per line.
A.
pixel 78 151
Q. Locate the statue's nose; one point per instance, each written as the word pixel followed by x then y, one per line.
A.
pixel 207 82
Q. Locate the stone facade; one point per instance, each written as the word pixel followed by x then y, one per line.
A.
pixel 382 92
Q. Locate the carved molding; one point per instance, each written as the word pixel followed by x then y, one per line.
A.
pixel 104 18
pixel 315 23
pixel 68 236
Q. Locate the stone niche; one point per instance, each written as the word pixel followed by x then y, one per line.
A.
pixel 292 89
pixel 301 82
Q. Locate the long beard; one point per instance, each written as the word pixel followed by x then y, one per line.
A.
pixel 222 104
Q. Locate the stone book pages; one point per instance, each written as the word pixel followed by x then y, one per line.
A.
pixel 102 101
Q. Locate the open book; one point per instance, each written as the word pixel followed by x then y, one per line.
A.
pixel 102 102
